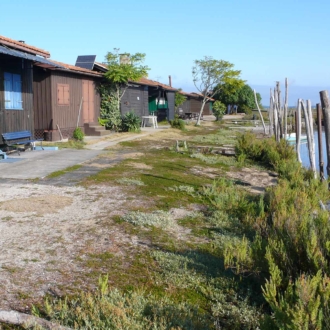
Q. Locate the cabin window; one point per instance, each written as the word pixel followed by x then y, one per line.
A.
pixel 13 91
pixel 63 94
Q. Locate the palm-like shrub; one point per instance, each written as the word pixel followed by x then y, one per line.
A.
pixel 130 122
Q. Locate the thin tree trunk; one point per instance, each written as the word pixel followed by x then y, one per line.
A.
pixel 200 114
pixel 309 131
pixel 326 117
pixel 28 321
pixel 298 130
pixel 260 114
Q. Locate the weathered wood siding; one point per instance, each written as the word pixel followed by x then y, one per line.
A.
pixel 171 105
pixel 66 116
pixel 195 106
pixel 185 106
pixel 43 118
pixel 53 111
pixel 135 99
pixel 17 120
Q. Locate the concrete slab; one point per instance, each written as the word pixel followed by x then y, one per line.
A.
pixel 38 164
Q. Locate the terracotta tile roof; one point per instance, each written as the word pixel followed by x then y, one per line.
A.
pixel 77 69
pixel 24 47
pixel 149 82
pixel 144 81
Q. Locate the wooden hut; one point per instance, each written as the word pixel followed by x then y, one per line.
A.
pixel 193 104
pixel 17 60
pixel 146 97
pixel 64 99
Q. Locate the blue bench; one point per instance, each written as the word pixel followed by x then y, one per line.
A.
pixel 15 139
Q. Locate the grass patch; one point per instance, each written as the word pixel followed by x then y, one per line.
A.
pixel 62 172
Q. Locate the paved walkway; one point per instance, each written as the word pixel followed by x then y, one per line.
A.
pixel 39 164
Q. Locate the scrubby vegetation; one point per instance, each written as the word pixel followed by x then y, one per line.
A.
pixel 249 261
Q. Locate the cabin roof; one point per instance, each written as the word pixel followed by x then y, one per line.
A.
pixel 22 46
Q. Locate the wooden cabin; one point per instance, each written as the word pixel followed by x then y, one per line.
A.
pixel 64 99
pixel 145 97
pixel 193 104
pixel 17 60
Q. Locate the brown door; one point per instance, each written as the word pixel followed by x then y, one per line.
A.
pixel 88 101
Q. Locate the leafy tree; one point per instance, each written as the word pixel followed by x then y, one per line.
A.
pixel 240 96
pixel 110 116
pixel 209 73
pixel 120 72
pixel 179 98
pixel 219 109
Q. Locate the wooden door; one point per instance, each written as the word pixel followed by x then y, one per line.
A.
pixel 88 101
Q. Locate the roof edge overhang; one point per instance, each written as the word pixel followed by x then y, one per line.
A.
pixel 36 60
pixel 26 49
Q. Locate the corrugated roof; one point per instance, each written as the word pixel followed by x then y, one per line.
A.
pixel 39 61
pixel 23 47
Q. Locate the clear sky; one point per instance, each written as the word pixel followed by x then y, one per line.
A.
pixel 266 40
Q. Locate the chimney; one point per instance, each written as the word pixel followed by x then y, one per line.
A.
pixel 170 80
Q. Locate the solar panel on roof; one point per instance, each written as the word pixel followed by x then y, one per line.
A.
pixel 86 61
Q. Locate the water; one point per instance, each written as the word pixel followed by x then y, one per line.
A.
pixel 305 156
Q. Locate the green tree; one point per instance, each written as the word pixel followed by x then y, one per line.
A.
pixel 219 109
pixel 179 99
pixel 122 68
pixel 209 73
pixel 240 96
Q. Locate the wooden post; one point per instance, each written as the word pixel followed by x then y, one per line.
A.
pixel 260 114
pixel 319 131
pixel 298 130
pixel 310 134
pixel 279 109
pixel 271 114
pixel 324 96
pixel 286 109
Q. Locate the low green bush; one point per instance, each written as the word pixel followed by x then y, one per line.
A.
pixel 131 122
pixel 178 123
pixel 78 134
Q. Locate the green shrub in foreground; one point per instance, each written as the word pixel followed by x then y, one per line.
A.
pixel 290 248
pixel 178 123
pixel 131 122
pixel 78 134
pixel 116 310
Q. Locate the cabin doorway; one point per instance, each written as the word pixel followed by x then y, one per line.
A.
pixel 88 91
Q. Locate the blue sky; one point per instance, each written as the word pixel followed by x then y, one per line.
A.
pixel 266 40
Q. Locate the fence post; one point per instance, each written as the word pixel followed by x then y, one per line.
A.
pixel 324 96
pixel 319 134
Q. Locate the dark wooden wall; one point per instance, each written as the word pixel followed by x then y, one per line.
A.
pixel 17 120
pixel 66 116
pixel 43 119
pixel 185 106
pixel 135 99
pixel 48 113
pixel 195 106
pixel 171 105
